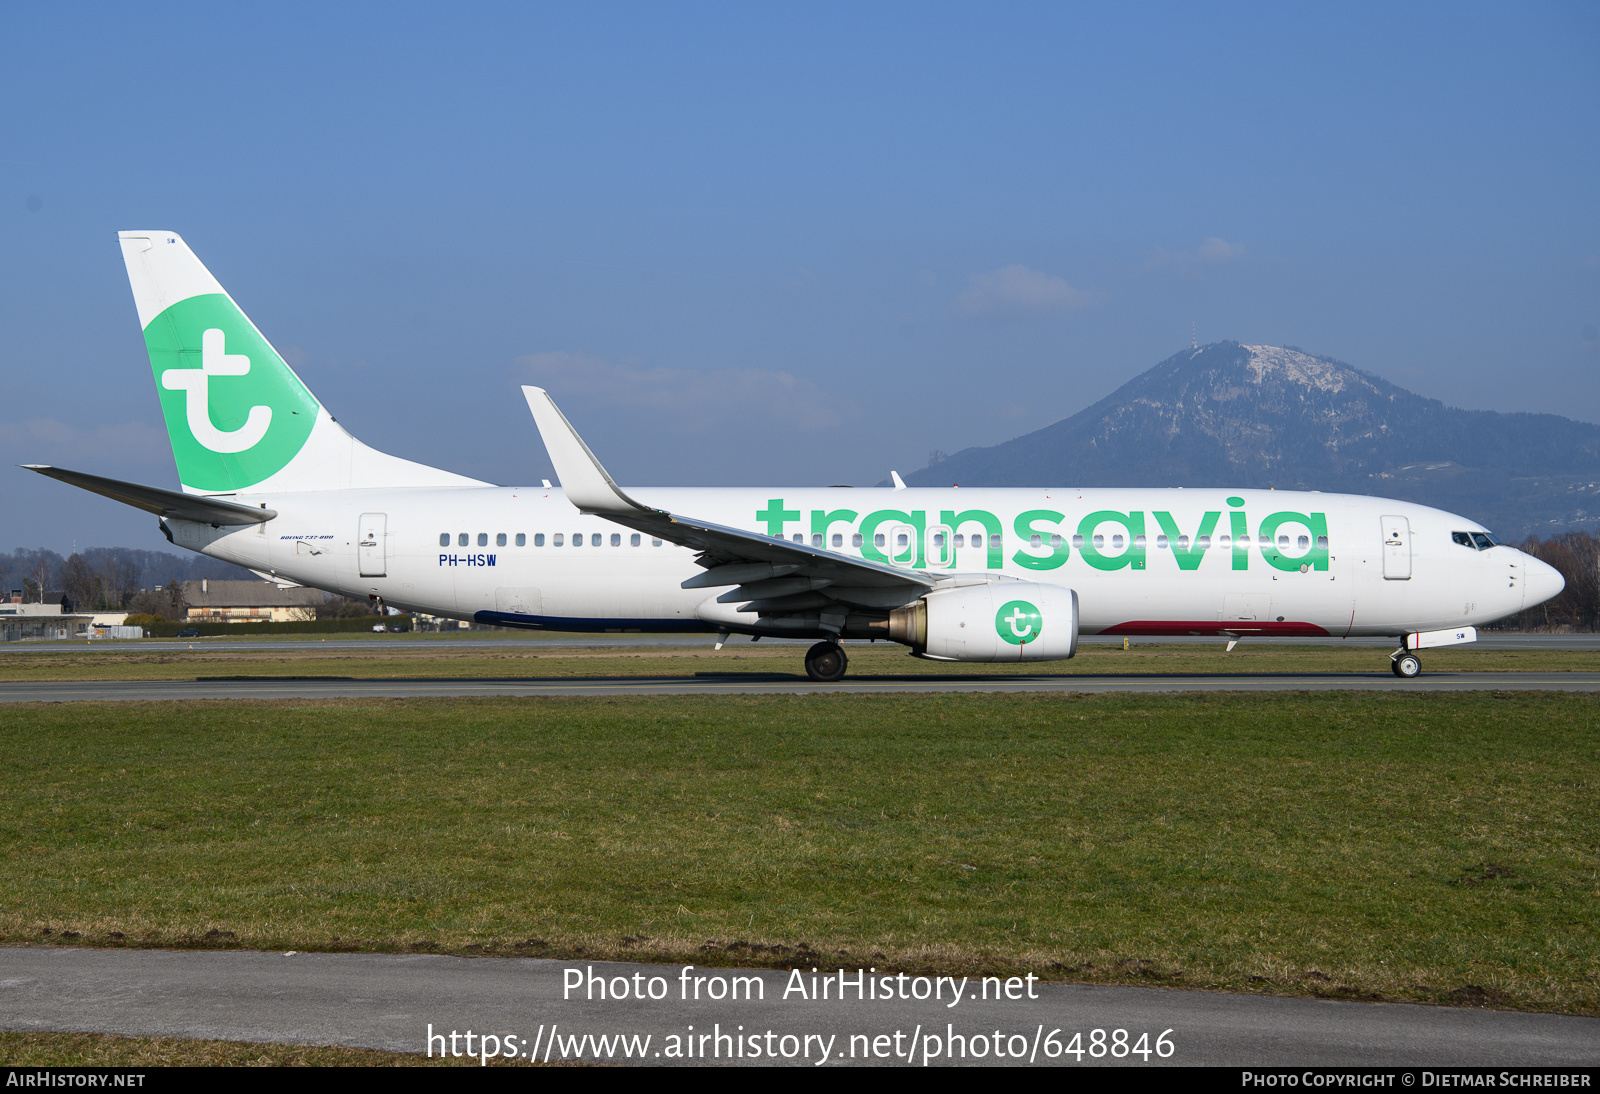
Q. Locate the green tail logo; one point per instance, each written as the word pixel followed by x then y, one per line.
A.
pixel 235 412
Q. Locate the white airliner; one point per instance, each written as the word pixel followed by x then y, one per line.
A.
pixel 272 482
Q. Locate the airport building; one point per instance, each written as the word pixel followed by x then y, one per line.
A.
pixel 19 621
pixel 208 601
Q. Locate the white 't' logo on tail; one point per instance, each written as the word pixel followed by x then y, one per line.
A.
pixel 195 383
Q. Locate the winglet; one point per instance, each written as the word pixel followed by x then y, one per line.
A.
pixel 899 483
pixel 587 484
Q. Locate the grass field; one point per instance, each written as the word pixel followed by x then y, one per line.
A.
pixel 132 1053
pixel 400 659
pixel 1432 847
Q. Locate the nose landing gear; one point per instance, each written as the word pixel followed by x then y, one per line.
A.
pixel 1406 665
pixel 826 662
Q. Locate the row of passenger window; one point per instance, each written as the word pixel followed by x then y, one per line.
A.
pixel 596 539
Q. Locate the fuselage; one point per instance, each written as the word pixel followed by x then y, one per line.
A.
pixel 1194 561
pixel 272 482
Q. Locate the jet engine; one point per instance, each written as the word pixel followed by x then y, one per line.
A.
pixel 998 621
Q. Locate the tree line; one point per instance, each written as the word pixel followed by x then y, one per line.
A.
pixel 146 584
pixel 107 579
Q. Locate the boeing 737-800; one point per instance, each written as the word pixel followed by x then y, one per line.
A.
pixel 272 482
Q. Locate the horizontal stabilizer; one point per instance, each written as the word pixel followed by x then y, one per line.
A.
pixel 163 503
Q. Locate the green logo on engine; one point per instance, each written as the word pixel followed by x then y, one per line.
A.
pixel 1018 622
pixel 235 413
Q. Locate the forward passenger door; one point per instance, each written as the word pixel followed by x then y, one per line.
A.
pixel 1396 548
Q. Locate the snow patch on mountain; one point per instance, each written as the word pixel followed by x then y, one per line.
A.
pixel 1300 368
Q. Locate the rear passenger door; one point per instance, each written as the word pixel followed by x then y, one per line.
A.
pixel 370 537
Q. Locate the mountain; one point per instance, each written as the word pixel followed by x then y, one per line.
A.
pixel 1232 415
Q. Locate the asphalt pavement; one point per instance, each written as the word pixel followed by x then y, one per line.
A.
pixel 550 1009
pixel 500 640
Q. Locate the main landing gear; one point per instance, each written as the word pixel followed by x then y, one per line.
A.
pixel 826 662
pixel 1406 665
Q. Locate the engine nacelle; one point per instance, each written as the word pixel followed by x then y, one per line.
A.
pixel 1001 621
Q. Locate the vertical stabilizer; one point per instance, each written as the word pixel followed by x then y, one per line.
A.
pixel 238 417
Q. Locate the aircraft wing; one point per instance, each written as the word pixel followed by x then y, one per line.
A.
pixel 163 503
pixel 777 575
pixel 723 546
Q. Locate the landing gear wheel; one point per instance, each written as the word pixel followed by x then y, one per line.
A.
pixel 826 662
pixel 1407 666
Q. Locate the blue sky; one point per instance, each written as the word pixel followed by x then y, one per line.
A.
pixel 750 245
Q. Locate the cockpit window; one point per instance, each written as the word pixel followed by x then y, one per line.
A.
pixel 1478 541
pixel 1483 541
pixel 1463 538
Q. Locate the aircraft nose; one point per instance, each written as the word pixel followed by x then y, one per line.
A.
pixel 1541 583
